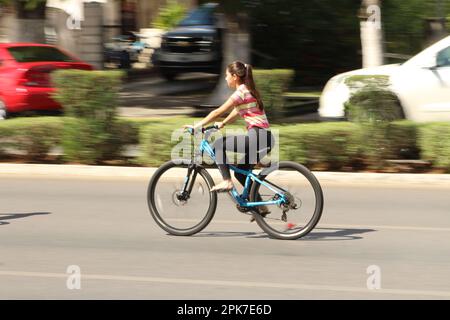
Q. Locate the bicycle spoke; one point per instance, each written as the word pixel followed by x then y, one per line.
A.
pixel 301 207
pixel 173 208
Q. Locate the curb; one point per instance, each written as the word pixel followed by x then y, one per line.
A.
pixel 135 74
pixel 140 173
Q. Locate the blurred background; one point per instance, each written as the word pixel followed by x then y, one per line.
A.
pixel 348 86
pixel 315 38
pixel 315 61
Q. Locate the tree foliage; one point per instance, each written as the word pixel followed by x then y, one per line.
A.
pixel 169 15
pixel 404 23
pixel 316 38
pixel 29 4
pixel 320 38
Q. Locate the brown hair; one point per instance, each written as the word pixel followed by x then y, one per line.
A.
pixel 245 74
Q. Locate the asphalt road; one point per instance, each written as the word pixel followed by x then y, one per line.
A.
pixel 401 235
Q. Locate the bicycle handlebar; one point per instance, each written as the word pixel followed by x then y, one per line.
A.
pixel 213 127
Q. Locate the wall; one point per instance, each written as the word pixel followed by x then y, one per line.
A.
pixel 91 41
pixel 84 40
pixel 13 29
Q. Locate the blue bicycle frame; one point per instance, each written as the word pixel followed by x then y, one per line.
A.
pixel 241 199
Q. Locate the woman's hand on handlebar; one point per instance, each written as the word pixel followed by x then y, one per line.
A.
pixel 188 126
pixel 219 125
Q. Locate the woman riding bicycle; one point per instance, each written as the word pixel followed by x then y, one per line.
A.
pixel 179 203
pixel 245 102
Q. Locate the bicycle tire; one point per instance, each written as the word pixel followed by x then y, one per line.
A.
pixel 152 205
pixel 318 208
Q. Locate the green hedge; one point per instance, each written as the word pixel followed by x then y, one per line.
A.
pixel 373 106
pixel 155 138
pixel 434 143
pixel 83 142
pixel 36 136
pixel 92 133
pixel 32 136
pixel 155 144
pixel 402 137
pixel 272 84
pixel 371 100
pixel 88 94
pixel 321 146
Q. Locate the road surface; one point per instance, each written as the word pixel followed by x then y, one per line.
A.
pixel 396 239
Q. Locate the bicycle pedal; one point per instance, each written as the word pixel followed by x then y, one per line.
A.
pixel 242 209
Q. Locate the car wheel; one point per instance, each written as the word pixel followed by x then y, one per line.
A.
pixel 125 60
pixel 3 111
pixel 395 113
pixel 169 76
pixel 400 110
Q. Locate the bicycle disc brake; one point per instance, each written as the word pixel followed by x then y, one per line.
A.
pixel 178 198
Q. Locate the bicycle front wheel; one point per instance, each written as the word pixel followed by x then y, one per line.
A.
pixel 301 213
pixel 178 213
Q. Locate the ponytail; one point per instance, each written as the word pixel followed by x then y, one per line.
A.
pixel 245 74
pixel 250 84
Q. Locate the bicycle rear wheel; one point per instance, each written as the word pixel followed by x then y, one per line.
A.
pixel 177 213
pixel 305 204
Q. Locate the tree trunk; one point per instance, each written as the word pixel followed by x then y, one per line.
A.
pixel 236 46
pixel 371 33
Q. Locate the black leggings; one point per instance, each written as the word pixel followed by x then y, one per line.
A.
pixel 256 144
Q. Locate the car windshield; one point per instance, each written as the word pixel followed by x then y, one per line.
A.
pixel 37 54
pixel 202 16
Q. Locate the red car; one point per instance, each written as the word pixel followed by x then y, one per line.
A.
pixel 25 76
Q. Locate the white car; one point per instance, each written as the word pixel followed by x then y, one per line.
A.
pixel 422 85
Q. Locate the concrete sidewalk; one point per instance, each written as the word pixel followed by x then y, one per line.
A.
pixel 140 173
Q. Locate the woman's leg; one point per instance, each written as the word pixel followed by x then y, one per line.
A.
pixel 260 144
pixel 235 143
pixel 255 146
pixel 221 157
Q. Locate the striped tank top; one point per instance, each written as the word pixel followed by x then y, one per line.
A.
pixel 247 106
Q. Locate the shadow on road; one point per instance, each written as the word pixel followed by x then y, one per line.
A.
pixel 225 234
pixel 318 234
pixel 11 216
pixel 336 234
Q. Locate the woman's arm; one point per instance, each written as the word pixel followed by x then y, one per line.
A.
pixel 215 114
pixel 231 117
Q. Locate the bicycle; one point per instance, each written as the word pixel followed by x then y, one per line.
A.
pixel 289 218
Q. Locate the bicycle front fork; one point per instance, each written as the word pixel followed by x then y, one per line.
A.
pixel 189 181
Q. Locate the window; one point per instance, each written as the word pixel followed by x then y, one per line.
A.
pixel 37 54
pixel 201 16
pixel 443 58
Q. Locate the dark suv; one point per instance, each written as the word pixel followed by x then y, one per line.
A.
pixel 194 45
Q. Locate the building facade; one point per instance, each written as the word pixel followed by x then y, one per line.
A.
pixel 79 26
